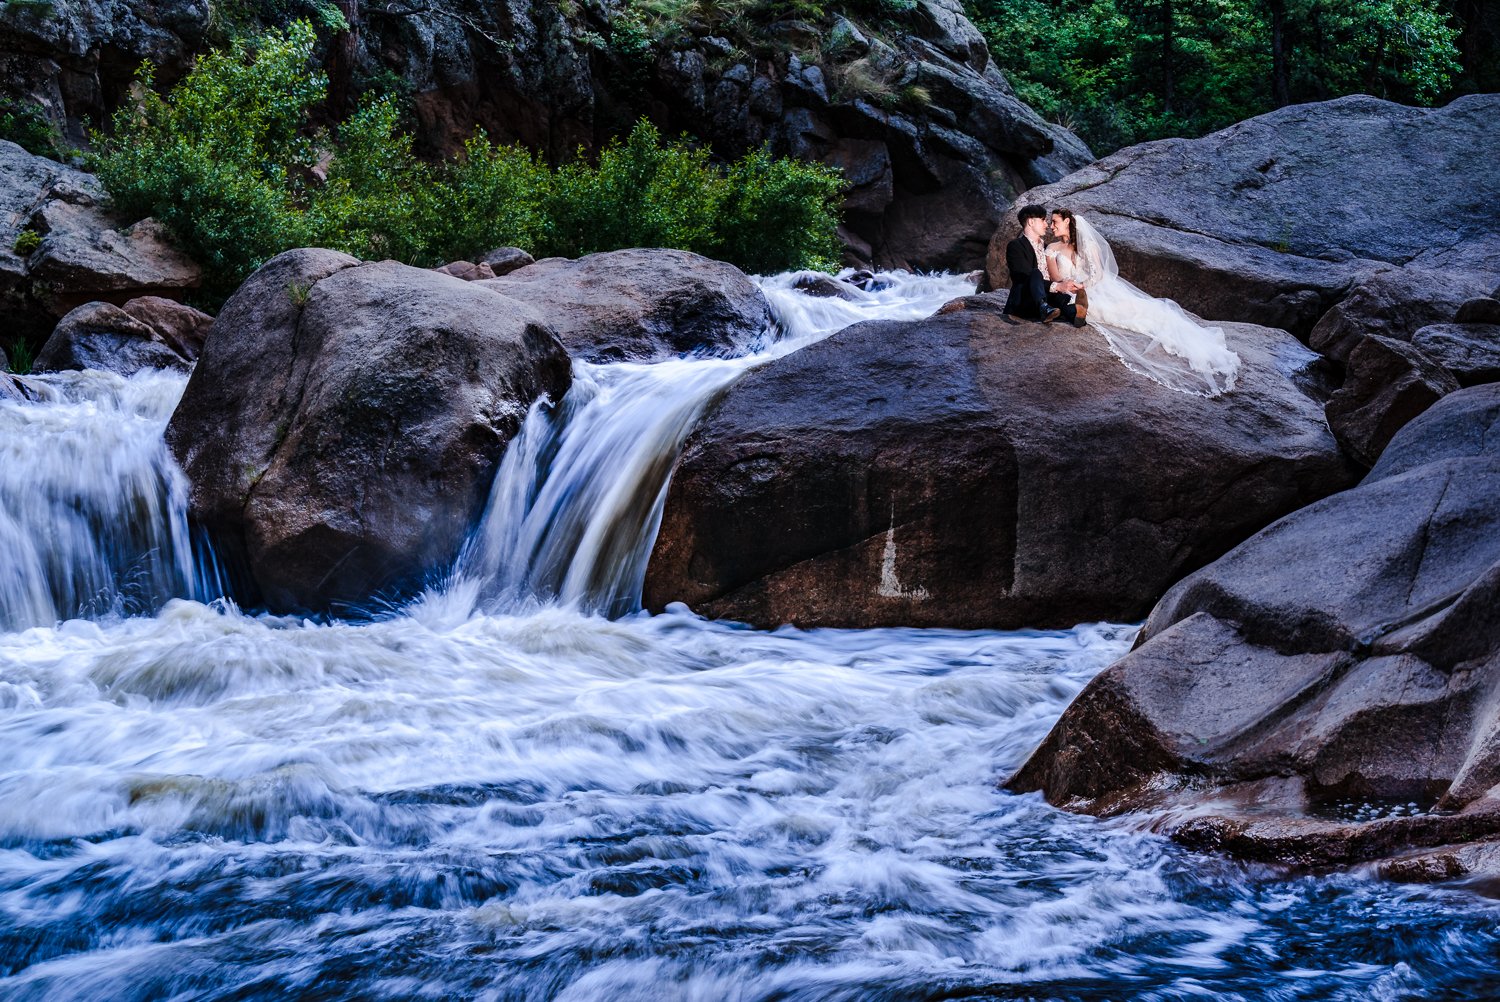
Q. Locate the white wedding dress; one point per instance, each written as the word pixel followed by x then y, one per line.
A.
pixel 1154 337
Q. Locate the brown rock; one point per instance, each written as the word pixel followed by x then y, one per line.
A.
pixel 468 271
pixel 504 260
pixel 344 422
pixel 86 254
pixel 959 471
pixel 1388 384
pixel 102 336
pixel 179 325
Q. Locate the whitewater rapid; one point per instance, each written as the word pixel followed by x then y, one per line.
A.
pixel 501 793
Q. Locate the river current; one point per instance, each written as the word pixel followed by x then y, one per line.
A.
pixel 520 788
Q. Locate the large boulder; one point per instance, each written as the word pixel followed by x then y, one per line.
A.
pixel 102 336
pixel 1395 303
pixel 1470 351
pixel 960 471
pixel 1278 218
pixel 1323 693
pixel 345 420
pixel 82 252
pixel 1389 382
pixel 642 304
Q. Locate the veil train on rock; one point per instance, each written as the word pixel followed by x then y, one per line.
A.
pixel 1154 337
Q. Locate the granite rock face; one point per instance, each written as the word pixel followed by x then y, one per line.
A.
pixel 1347 653
pixel 932 137
pixel 1313 208
pixel 81 252
pixel 343 424
pixel 642 304
pixel 960 471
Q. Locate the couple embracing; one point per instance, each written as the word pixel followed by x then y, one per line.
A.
pixel 1074 278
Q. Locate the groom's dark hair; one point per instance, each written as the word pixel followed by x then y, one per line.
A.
pixel 1031 212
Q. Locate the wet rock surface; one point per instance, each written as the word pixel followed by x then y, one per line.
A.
pixel 344 422
pixel 961 471
pixel 1350 650
pixel 642 304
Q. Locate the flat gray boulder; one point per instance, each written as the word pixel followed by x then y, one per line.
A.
pixel 1277 219
pixel 343 424
pixel 642 304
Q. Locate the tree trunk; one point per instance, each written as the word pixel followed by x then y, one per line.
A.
pixel 343 51
pixel 1166 55
pixel 1280 86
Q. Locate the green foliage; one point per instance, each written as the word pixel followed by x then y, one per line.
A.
pixel 26 125
pixel 20 358
pixel 27 241
pixel 1124 71
pixel 227 161
pixel 219 159
pixel 762 213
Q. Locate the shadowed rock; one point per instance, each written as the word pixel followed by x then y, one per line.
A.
pixel 1349 652
pixel 1389 383
pixel 345 420
pixel 960 471
pixel 1471 351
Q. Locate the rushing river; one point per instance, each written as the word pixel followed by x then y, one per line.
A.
pixel 500 793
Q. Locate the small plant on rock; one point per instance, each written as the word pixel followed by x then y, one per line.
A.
pixel 27 241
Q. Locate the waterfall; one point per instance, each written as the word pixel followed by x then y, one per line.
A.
pixel 93 510
pixel 576 504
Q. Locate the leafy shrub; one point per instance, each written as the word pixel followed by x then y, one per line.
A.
pixel 226 160
pixel 27 126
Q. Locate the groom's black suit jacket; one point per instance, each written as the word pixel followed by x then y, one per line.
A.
pixel 1028 293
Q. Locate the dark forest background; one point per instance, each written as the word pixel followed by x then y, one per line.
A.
pixel 1119 72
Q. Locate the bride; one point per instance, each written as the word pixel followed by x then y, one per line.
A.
pixel 1154 337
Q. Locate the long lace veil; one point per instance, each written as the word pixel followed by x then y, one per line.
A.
pixel 1154 337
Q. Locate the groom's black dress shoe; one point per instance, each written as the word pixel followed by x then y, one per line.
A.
pixel 1052 315
pixel 1080 323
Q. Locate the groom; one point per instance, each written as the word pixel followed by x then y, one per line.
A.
pixel 1026 261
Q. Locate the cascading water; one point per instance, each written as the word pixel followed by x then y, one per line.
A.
pixel 93 512
pixel 532 802
pixel 576 504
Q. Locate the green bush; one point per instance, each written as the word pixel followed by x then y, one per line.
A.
pixel 227 161
pixel 27 126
